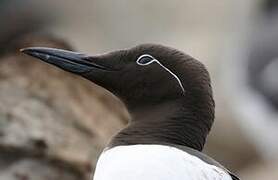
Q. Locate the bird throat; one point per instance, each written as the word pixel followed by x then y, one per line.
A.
pixel 168 123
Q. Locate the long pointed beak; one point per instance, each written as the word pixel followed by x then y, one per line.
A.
pixel 70 61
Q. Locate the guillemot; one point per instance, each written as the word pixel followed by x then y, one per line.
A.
pixel 169 97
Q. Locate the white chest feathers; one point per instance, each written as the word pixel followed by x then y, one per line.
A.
pixel 154 162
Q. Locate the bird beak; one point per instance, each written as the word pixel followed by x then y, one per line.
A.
pixel 74 62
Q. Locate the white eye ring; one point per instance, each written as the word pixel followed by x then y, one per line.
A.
pixel 155 60
pixel 144 64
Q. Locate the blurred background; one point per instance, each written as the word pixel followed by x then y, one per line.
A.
pixel 53 124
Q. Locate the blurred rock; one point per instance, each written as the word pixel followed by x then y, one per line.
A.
pixel 14 167
pixel 50 117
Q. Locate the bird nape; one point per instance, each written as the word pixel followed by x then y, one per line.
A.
pixel 169 97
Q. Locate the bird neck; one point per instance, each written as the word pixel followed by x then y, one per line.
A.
pixel 169 123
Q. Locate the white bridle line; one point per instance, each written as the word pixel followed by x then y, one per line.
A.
pixel 168 70
pixel 173 74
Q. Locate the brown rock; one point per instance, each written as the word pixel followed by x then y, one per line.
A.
pixel 47 115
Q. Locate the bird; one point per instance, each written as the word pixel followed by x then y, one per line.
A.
pixel 169 97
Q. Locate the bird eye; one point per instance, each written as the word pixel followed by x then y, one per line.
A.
pixel 145 60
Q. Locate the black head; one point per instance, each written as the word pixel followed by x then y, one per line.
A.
pixel 144 76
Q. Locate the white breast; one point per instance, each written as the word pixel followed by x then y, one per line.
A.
pixel 154 162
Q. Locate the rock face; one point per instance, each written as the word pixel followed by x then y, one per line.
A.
pixel 52 124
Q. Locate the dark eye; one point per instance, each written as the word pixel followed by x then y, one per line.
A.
pixel 145 59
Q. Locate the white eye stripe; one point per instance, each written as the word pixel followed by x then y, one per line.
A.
pixel 173 74
pixel 155 60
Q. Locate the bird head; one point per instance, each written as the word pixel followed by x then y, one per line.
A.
pixel 141 76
